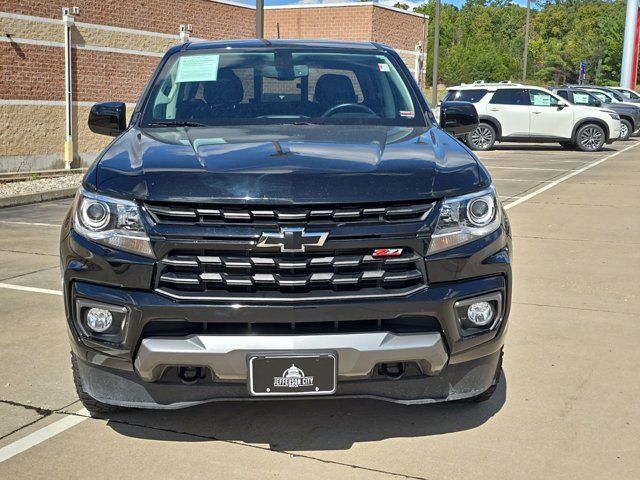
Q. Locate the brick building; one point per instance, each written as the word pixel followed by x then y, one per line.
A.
pixel 116 44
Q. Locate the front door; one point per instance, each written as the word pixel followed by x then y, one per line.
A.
pixel 548 119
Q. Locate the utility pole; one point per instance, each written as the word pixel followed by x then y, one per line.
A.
pixel 525 55
pixel 436 52
pixel 259 18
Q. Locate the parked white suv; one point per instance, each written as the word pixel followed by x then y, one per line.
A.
pixel 510 112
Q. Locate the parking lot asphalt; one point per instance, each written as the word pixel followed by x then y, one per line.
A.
pixel 567 406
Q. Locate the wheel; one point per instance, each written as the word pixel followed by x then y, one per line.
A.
pixel 482 138
pixel 625 129
pixel 590 137
pixel 488 393
pixel 569 145
pixel 90 403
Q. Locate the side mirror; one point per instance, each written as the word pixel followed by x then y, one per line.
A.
pixel 458 118
pixel 561 104
pixel 598 103
pixel 109 118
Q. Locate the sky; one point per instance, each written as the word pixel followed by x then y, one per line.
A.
pixel 386 2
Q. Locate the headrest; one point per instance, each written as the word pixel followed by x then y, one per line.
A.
pixel 226 90
pixel 333 89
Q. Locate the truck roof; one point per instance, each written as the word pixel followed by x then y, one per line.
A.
pixel 255 43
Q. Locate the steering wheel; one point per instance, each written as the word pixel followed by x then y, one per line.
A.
pixel 359 106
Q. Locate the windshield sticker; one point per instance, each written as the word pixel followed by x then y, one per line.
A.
pixel 198 68
pixel 406 113
pixel 383 67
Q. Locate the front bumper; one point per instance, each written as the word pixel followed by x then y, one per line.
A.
pixel 139 369
pixel 450 363
pixel 126 389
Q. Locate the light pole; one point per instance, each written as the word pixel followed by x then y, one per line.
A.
pixel 630 40
pixel 436 52
pixel 68 21
pixel 525 55
pixel 259 18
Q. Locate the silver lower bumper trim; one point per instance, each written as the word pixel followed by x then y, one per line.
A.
pixel 226 355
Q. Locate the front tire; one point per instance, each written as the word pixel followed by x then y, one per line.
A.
pixel 94 406
pixel 488 393
pixel 482 138
pixel 590 137
pixel 625 129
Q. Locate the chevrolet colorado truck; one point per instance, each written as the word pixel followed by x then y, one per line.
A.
pixel 284 219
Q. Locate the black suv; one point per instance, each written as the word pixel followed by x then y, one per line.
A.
pixel 284 219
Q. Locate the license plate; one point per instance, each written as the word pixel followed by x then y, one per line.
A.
pixel 304 374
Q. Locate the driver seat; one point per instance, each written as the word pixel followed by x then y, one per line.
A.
pixel 333 89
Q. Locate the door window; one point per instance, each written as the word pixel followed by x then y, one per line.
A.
pixel 510 96
pixel 584 98
pixel 473 96
pixel 538 98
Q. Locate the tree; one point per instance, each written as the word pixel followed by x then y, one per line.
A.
pixel 401 6
pixel 483 40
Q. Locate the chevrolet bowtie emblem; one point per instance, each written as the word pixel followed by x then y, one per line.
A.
pixel 291 239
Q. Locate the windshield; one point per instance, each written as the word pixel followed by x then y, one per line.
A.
pixel 629 93
pixel 615 94
pixel 602 96
pixel 212 87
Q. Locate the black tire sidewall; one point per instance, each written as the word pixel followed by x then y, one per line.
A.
pixel 629 129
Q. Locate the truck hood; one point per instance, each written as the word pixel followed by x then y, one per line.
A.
pixel 287 164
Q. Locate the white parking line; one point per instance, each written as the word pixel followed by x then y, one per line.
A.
pixel 567 177
pixel 533 169
pixel 521 180
pixel 10 222
pixel 43 434
pixel 10 286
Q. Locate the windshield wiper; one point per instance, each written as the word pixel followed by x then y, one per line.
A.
pixel 307 122
pixel 170 123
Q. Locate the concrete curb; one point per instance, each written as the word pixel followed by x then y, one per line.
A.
pixel 37 197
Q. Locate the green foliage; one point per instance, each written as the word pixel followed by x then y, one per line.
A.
pixel 402 6
pixel 484 40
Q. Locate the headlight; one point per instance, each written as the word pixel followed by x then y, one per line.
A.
pixel 464 219
pixel 615 116
pixel 111 221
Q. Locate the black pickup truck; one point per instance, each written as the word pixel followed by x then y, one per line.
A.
pixel 284 218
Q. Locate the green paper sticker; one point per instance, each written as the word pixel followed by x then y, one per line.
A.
pixel 198 68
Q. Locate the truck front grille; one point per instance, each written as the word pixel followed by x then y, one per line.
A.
pixel 316 215
pixel 330 273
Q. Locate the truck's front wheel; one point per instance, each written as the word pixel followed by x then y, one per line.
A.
pixel 91 404
pixel 488 393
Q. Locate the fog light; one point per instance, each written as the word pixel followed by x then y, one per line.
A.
pixel 480 313
pixel 99 320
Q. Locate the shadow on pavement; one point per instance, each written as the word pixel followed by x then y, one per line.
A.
pixel 544 147
pixel 297 425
